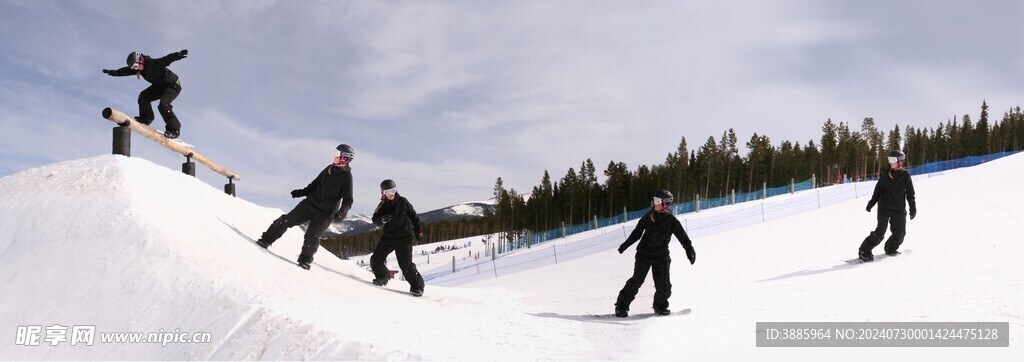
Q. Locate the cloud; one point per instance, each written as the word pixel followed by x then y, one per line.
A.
pixel 444 97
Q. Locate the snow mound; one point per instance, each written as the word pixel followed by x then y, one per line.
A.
pixel 125 245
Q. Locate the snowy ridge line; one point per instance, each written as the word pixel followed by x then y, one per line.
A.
pixel 696 225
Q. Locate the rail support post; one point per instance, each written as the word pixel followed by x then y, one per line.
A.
pixel 189 167
pixel 123 140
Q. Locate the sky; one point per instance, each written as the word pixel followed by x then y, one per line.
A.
pixel 444 97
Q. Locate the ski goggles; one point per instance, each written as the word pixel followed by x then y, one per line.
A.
pixel 659 201
pixel 139 60
pixel 344 156
pixel 894 160
pixel 389 192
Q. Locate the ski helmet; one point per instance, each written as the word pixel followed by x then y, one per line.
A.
pixel 387 185
pixel 345 150
pixel 897 156
pixel 662 197
pixel 133 57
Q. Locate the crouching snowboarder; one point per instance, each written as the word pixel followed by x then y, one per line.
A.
pixel 654 231
pixel 893 192
pixel 328 198
pixel 399 226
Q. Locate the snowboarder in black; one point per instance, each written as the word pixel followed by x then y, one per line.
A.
pixel 165 87
pixel 399 226
pixel 328 198
pixel 893 192
pixel 654 231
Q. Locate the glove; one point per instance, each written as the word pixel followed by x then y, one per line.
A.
pixel 385 219
pixel 299 193
pixel 870 205
pixel 108 71
pixel 691 255
pixel 340 215
pixel 183 53
pixel 622 248
pixel 912 214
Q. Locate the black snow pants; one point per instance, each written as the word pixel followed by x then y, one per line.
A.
pixel 166 93
pixel 403 252
pixel 319 221
pixel 898 220
pixel 662 285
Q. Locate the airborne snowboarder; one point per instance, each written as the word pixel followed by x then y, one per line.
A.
pixel 893 192
pixel 654 230
pixel 165 86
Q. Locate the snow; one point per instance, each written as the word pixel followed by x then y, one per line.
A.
pixel 127 245
pixel 467 210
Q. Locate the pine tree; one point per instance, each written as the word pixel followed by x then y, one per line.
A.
pixel 981 132
pixel 967 136
pixel 829 144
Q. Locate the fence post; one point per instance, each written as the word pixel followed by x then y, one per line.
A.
pixel 733 201
pixel 625 214
pixel 595 222
pixel 792 185
pixel 696 202
pixel 764 190
pixel 814 181
pixel 563 229
pixel 555 252
pixel 453 264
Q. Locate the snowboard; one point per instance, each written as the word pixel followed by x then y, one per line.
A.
pixel 643 315
pixel 880 257
pixel 177 140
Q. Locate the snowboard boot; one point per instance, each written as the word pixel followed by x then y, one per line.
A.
pixel 621 313
pixel 865 256
pixel 262 244
pixel 304 265
pixel 380 282
pixel 143 121
pixel 892 253
pixel 662 311
pixel 417 292
pixel 172 133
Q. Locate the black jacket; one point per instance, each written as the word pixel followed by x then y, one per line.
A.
pixel 654 231
pixel 155 70
pixel 402 225
pixel 893 191
pixel 331 190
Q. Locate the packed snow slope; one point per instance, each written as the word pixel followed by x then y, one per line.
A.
pixel 966 264
pixel 129 246
pixel 126 245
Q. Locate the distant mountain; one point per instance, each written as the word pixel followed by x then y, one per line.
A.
pixel 352 225
pixel 359 224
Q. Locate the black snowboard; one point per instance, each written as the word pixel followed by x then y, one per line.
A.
pixel 644 315
pixel 878 258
